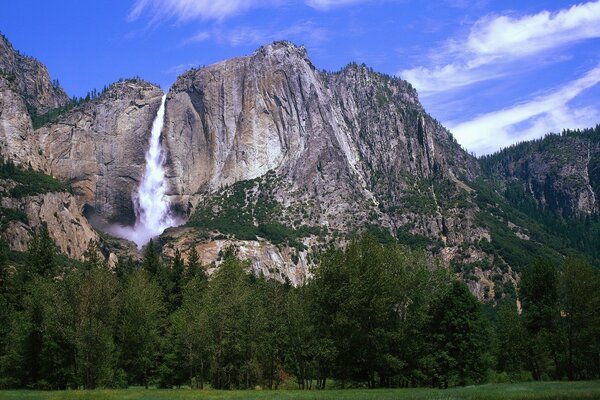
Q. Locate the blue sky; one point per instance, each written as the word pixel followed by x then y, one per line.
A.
pixel 495 73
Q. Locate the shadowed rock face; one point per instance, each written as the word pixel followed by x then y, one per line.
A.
pixel 99 147
pixel 562 173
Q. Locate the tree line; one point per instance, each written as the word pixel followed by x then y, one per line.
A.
pixel 372 315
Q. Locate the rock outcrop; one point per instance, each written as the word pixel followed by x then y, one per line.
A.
pixel 342 152
pixel 17 140
pixel 31 79
pixel 68 228
pixel 281 160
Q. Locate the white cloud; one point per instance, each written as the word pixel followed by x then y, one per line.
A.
pixel 535 118
pixel 495 43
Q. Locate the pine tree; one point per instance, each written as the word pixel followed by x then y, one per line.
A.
pixel 141 315
pixel 538 293
pixel 4 275
pixel 177 279
pixel 124 268
pixel 194 267
pixel 42 253
pixel 458 338
pixel 151 263
pixel 92 256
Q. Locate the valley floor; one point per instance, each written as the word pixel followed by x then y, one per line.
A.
pixel 527 391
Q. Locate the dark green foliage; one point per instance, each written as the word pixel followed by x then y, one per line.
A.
pixel 54 114
pixel 193 268
pixel 28 183
pixel 11 214
pixel 496 213
pixel 152 263
pixel 373 315
pixel 414 241
pixel 511 341
pixel 140 323
pixel 458 339
pixel 578 288
pixel 371 300
pixel 43 253
pixel 539 296
pixel 39 120
pixel 125 267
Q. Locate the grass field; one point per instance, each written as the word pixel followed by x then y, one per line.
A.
pixel 541 390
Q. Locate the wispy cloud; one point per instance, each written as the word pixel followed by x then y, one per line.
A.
pixel 306 32
pixel 494 43
pixel 187 10
pixel 532 119
pixel 180 68
pixel 201 36
pixel 325 5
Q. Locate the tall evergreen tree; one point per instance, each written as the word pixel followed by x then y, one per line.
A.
pixel 193 266
pixel 538 293
pixel 578 289
pixel 511 340
pixel 42 253
pixel 151 263
pixel 140 325
pixel 458 335
pixel 94 297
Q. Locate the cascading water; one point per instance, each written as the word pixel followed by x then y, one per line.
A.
pixel 152 208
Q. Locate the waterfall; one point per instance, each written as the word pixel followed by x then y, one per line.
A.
pixel 152 207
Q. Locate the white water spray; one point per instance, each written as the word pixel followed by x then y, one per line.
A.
pixel 152 207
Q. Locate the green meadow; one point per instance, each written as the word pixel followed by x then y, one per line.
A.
pixel 525 391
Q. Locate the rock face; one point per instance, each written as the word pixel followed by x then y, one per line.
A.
pixel 266 258
pixel 560 172
pixel 99 147
pixel 17 140
pixel 356 144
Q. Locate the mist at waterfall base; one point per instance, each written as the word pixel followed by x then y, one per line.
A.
pixel 152 206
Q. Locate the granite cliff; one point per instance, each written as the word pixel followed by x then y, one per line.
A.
pixel 269 154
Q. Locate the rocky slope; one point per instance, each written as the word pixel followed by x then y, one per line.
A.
pixel 560 172
pixel 25 89
pixel 68 228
